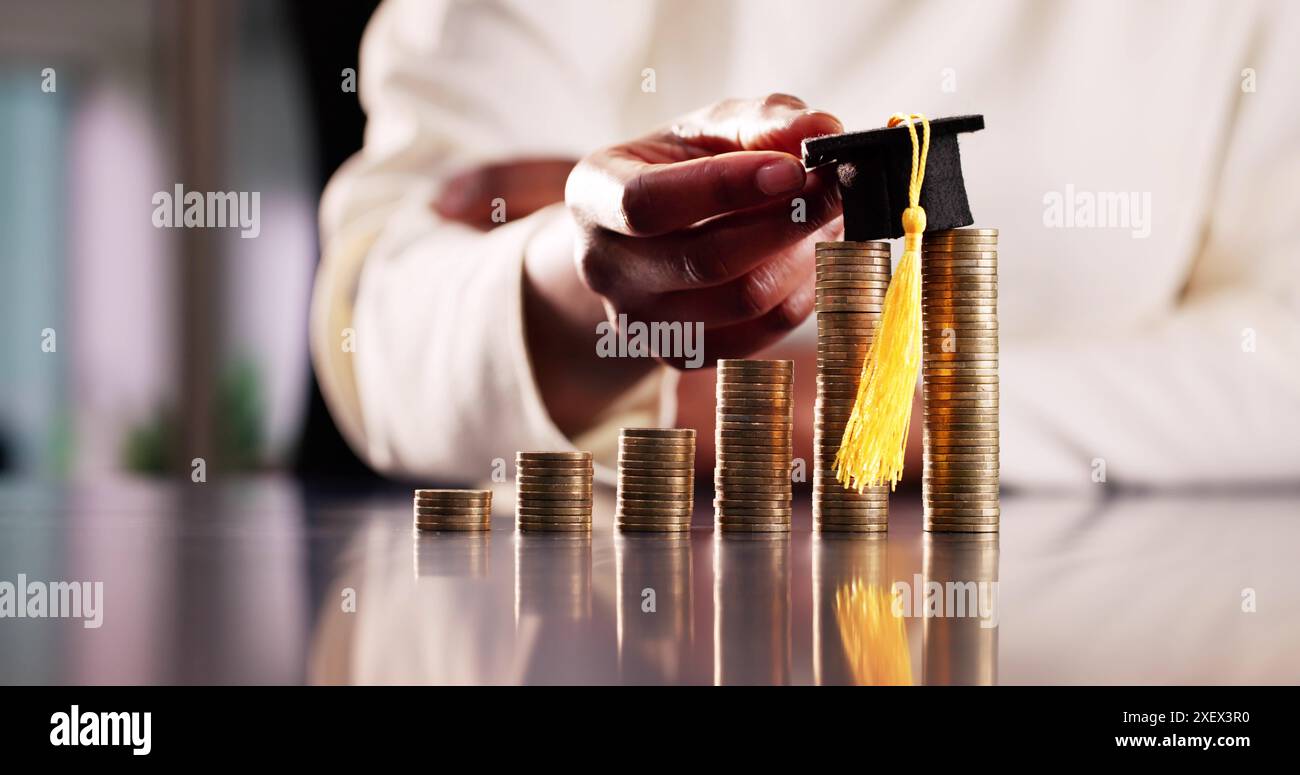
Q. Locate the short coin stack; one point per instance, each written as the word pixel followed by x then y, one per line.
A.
pixel 453 509
pixel 656 479
pixel 553 491
pixel 755 426
pixel 852 278
pixel 959 309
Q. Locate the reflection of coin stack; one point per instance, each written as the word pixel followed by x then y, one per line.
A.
pixel 960 303
pixel 553 491
pixel 656 479
pixel 962 650
pixel 653 576
pixel 840 561
pixel 453 509
pixel 553 576
pixel 751 610
pixel 452 555
pixel 852 278
pixel 754 437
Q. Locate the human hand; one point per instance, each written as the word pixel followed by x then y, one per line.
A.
pixel 697 223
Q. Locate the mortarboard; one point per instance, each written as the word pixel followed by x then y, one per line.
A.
pixel 901 181
pixel 874 168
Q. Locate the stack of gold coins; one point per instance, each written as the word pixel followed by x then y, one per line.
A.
pixel 852 278
pixel 755 425
pixel 960 313
pixel 656 479
pixel 453 509
pixel 553 491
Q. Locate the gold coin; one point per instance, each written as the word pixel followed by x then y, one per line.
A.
pixel 961 391
pixel 753 513
pixel 666 480
pixel 549 516
pixel 954 449
pixel 568 477
pixel 934 323
pixel 943 437
pixel 546 527
pixel 553 485
pixel 840 305
pixel 571 506
pixel 936 515
pixel 674 434
pixel 983 490
pixel 773 404
pixel 453 505
pixel 853 528
pixel 653 446
pixel 654 527
pixel 755 364
pixel 532 472
pixel 641 467
pixel 727 518
pixel 451 518
pixel 557 456
pixel 962 254
pixel 647 512
pixel 743 482
pixel 863 517
pixel 865 292
pixel 986 484
pixel 865 283
pixel 752 528
pixel 656 456
pixel 856 244
pixel 456 494
pixel 471 511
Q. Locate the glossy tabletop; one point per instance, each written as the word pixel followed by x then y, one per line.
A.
pixel 274 581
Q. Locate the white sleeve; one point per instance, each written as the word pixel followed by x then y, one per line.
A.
pixel 1211 393
pixel 437 381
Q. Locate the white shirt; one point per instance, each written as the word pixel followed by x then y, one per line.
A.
pixel 1167 348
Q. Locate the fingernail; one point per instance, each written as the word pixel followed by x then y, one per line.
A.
pixel 779 177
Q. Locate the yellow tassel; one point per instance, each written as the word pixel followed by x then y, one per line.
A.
pixel 874 638
pixel 875 438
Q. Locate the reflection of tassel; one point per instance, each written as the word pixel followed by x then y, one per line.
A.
pixel 875 437
pixel 874 638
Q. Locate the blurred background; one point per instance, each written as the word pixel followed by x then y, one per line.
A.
pixel 135 348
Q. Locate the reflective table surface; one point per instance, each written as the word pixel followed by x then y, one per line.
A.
pixel 275 581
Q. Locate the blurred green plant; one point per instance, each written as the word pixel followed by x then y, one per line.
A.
pixel 152 447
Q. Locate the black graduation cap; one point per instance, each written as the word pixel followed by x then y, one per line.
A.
pixel 875 167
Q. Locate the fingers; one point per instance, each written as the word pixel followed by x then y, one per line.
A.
pixel 484 197
pixel 726 158
pixel 748 297
pixel 777 122
pixel 713 253
pixel 746 338
pixel 661 198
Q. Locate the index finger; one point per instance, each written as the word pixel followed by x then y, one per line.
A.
pixel 729 158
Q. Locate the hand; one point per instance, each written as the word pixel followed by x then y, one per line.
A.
pixel 694 223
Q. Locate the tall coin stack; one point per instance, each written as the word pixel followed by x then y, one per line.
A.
pixel 755 425
pixel 453 509
pixel 553 491
pixel 656 479
pixel 852 278
pixel 960 313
